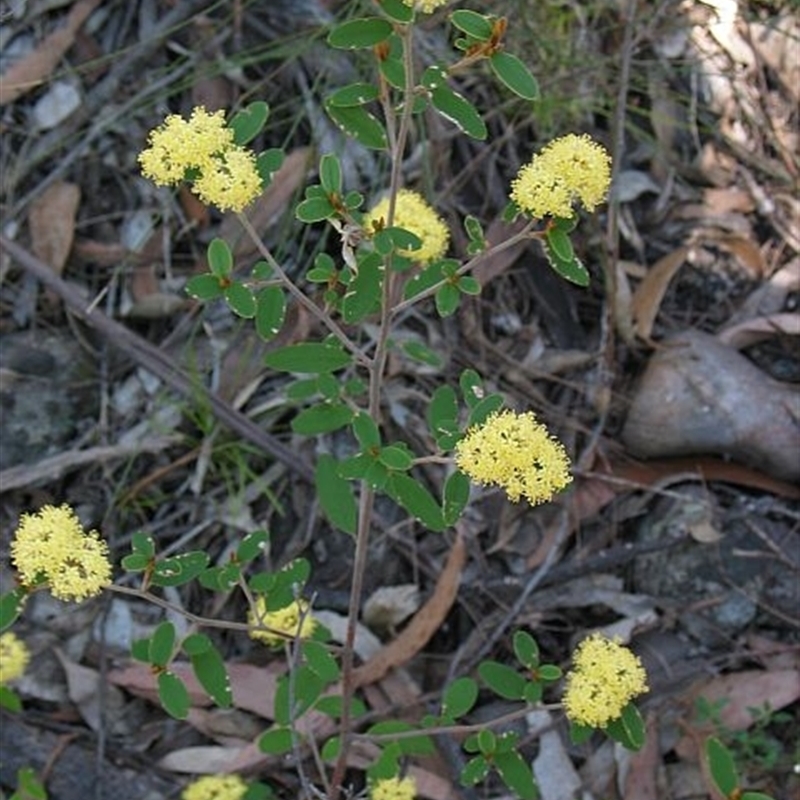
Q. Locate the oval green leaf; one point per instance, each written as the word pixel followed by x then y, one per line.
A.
pixel 209 669
pixel 359 124
pixel 180 569
pixel 240 300
pixel 308 357
pixel 249 122
pixel 473 24
pixel 515 75
pixel 359 33
pixel 459 111
pixel 204 287
pixel 416 500
pixel 355 94
pixel 502 680
pixel 173 695
pixel 270 312
pixel 322 418
pixel 162 644
pixel 220 258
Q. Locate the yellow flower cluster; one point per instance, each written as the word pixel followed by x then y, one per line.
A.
pixel 425 6
pixel 605 678
pixel 285 620
pixel 412 213
pixel 215 787
pixel 515 452
pixel 14 657
pixel 393 789
pixel 52 546
pixel 570 168
pixel 226 174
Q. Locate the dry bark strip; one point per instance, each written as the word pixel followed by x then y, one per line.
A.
pixel 424 624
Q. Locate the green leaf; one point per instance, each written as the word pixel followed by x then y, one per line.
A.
pixel 570 268
pixel 475 770
pixel 209 668
pixel 162 644
pixel 220 579
pixel 469 285
pixel 220 258
pixel 268 163
pixel 416 500
pixel 526 650
pixel 330 174
pixel 355 94
pixel 178 570
pixel 422 353
pixel 459 111
pixel 447 299
pixel 721 766
pixel 29 787
pixel 628 729
pixel 744 796
pixel 196 643
pixel 308 357
pixel 294 697
pixel 423 280
pixel 249 122
pixel 560 243
pixel 320 660
pixel 173 695
pixel 481 411
pixel 533 692
pixel 459 698
pixel 487 741
pixel 204 287
pixel 322 418
pixel 473 24
pixel 549 673
pixel 140 650
pixel 252 546
pixel 471 387
pixel 314 209
pixel 579 734
pixel 9 700
pixel 360 125
pixel 515 75
pixel 143 543
pixel 366 431
pixel 456 497
pixel 393 71
pixel 516 774
pixel 270 312
pixel 396 457
pixel 360 33
pixel 502 680
pixel 442 409
pixel 335 495
pixel 331 749
pixel 240 300
pixel 364 292
pixel 11 605
pixel 135 562
pixel 276 741
pixel 397 10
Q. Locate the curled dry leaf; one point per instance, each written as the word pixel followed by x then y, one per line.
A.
pixel 698 396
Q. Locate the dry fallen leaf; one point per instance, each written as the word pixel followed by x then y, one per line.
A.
pixel 650 292
pixel 30 71
pixel 51 221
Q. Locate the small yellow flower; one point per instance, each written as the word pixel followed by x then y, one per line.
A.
pixel 569 169
pixel 515 452
pixel 286 620
pixel 215 787
pixel 230 181
pixel 412 213
pixel 605 678
pixel 51 545
pixel 226 174
pixel 14 657
pixel 393 789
